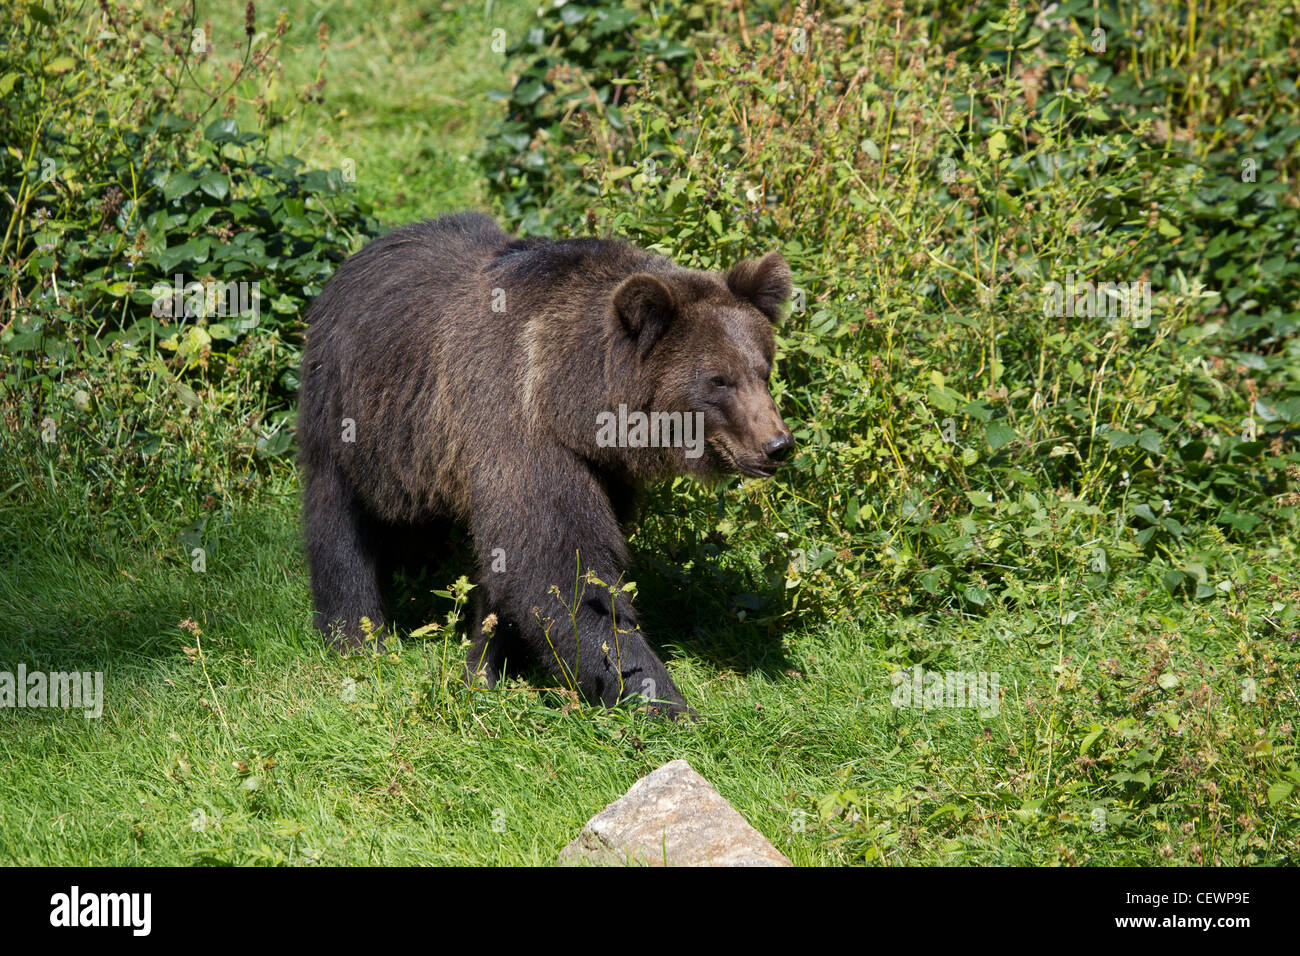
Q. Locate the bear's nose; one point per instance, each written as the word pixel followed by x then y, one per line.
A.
pixel 780 448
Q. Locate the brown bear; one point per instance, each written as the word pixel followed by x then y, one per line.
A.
pixel 528 390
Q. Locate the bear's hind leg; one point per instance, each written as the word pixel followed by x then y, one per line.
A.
pixel 344 551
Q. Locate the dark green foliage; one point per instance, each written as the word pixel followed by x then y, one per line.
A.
pixel 576 61
pixel 959 439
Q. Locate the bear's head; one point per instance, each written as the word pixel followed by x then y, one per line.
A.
pixel 702 344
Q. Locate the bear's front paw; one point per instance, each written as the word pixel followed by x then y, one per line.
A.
pixel 661 702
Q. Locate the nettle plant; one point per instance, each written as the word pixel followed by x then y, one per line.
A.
pixel 963 428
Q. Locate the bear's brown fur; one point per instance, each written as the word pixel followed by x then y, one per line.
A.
pixel 453 372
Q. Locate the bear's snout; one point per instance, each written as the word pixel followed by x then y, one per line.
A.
pixel 780 448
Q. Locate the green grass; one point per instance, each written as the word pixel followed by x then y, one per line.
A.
pixel 405 95
pixel 249 743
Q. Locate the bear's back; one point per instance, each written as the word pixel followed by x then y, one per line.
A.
pixel 548 262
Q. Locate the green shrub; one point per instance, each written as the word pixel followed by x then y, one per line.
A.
pixel 577 59
pixel 961 437
pixel 127 182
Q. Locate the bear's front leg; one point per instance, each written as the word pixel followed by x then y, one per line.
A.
pixel 613 661
pixel 539 563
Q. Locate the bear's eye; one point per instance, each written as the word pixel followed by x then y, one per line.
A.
pixel 719 382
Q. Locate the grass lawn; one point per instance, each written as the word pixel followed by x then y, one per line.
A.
pixel 405 95
pixel 230 735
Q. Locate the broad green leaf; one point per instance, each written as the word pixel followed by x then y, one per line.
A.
pixel 1280 791
pixel 180 184
pixel 999 434
pixel 1090 738
pixel 997 143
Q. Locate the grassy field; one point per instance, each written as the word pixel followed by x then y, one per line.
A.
pixel 405 95
pixel 1135 726
pixel 229 735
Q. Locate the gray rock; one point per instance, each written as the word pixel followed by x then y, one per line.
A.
pixel 672 817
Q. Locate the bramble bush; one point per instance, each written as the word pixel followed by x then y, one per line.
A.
pixel 573 64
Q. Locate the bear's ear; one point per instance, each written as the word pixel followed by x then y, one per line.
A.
pixel 764 282
pixel 645 307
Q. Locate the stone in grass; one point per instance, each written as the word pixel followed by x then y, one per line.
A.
pixel 672 817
